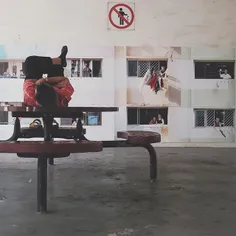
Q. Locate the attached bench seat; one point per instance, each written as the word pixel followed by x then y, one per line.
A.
pixel 57 132
pixel 50 147
pixel 139 137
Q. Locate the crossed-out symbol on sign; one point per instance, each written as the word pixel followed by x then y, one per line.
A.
pixel 125 20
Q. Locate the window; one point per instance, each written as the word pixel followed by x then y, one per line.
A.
pixel 66 122
pixel 22 75
pixel 146 116
pixel 92 68
pixel 132 115
pixel 23 66
pixel 12 69
pixel 3 117
pixel 200 118
pixel 84 68
pixel 214 70
pixel 3 68
pixel 138 68
pixel 132 67
pixel 90 119
pixel 75 68
pixel 214 118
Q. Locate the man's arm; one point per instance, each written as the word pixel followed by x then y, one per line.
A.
pixel 55 80
pixel 51 80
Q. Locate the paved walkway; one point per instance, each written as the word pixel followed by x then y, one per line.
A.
pixel 195 144
pixel 109 194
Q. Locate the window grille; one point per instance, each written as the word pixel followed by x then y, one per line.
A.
pixel 214 118
pixel 138 68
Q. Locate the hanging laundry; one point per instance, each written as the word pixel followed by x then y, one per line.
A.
pixel 153 81
pixel 147 77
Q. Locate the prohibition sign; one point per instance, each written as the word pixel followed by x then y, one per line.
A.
pixel 128 22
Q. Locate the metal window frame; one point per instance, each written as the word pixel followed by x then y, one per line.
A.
pixel 233 116
pixel 85 119
pixel 205 116
pixel 137 114
pixel 100 118
pixel 7 120
pixel 70 62
pixel 90 66
pixel 3 63
pixel 127 68
pixel 149 60
pixel 149 66
pixel 209 61
pixel 138 109
pixel 81 62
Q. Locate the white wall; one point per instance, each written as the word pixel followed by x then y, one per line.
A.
pixel 111 90
pixel 213 93
pixel 179 124
pixel 206 94
pixel 120 94
pixel 11 90
pixel 84 22
pixel 159 25
pixel 210 134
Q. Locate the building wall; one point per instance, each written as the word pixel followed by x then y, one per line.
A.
pixel 84 22
pixel 195 93
pixel 113 88
pixel 83 26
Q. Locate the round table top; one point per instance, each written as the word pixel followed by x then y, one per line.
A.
pixel 57 109
pixel 27 111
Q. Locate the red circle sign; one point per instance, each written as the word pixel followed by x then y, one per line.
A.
pixel 128 23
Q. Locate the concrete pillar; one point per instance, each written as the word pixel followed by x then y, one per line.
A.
pixel 120 88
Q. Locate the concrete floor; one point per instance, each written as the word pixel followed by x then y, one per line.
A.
pixel 109 194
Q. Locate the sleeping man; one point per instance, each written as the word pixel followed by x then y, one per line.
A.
pixel 55 90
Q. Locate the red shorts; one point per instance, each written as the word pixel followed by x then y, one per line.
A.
pixel 64 93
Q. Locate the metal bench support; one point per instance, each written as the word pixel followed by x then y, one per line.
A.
pixel 149 147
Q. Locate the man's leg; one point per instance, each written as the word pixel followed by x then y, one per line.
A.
pixel 36 66
pixel 32 68
pixel 56 71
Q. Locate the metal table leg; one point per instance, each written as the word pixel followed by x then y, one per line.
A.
pixel 42 185
pixel 79 131
pixel 51 161
pixel 153 162
pixel 16 131
pixel 48 134
pixel 42 169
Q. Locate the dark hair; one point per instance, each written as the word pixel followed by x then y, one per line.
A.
pixel 46 95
